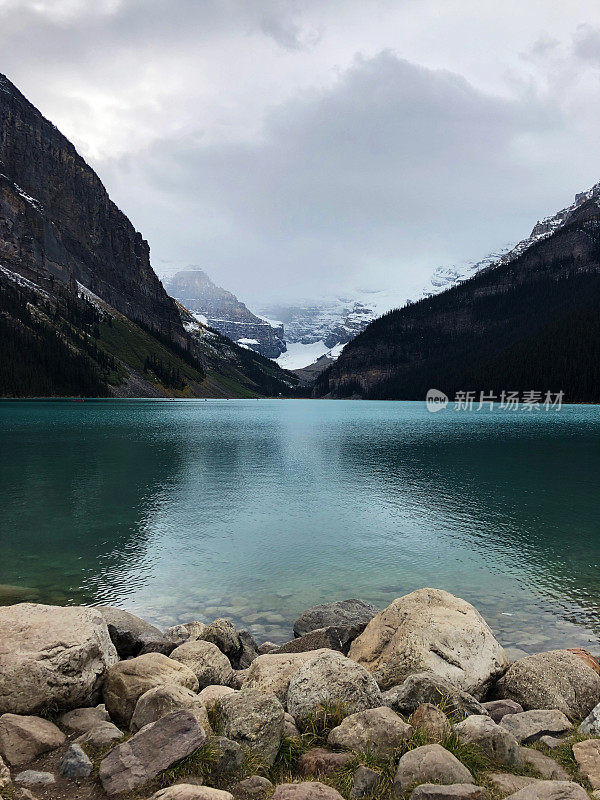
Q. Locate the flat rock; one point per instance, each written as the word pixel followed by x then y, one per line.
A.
pixel 330 677
pixel 342 612
pixel 505 783
pixel 33 777
pixel 254 720
pixel 425 687
pixel 188 791
pixel 556 679
pixel 431 721
pixel 313 790
pixel 547 767
pixel 458 791
pixel 495 741
pixel 379 730
pixel 591 724
pixel 206 661
pixel 273 672
pixel 550 790
pixel 23 738
pixel 364 782
pixel 127 681
pixel 319 761
pixel 75 763
pixel 587 755
pixel 528 726
pixel 550 741
pixel 335 637
pixel 429 764
pixel 162 700
pixel 155 748
pixel 52 657
pixel 101 735
pixel 129 633
pixel 81 720
pixel 497 709
pixel 430 631
pixel 256 787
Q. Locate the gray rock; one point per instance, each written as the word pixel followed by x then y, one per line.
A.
pixel 24 738
pixel 238 678
pixel 319 761
pixel 189 791
pixel 458 791
pixel 431 721
pixel 213 693
pixel 425 687
pixel 52 657
pixel 556 679
pixel 330 677
pixel 548 768
pixel 129 633
pixel 342 612
pixel 267 647
pixel 155 748
pixel 249 650
pixel 528 726
pixel 207 662
pixel 101 735
pixel 186 632
pixel 310 790
pixel 495 741
pixel 550 741
pixel 32 777
pixel 591 724
pixel 335 637
pixel 75 763
pixel 429 764
pixel 505 783
pixel 162 700
pixel 230 757
pixel 254 720
pixel 253 788
pixel 273 672
pixel 364 782
pixel 127 681
pixel 430 631
pixel 223 634
pixel 550 790
pixel 81 720
pixel 379 730
pixel 497 709
pixel 290 730
pixel 587 756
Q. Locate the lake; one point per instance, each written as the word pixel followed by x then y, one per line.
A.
pixel 256 510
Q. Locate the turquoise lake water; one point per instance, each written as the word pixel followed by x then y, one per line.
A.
pixel 180 510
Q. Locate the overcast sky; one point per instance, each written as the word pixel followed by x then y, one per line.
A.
pixel 295 148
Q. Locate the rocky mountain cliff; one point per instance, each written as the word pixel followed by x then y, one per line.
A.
pixel 530 321
pixel 222 311
pixel 81 310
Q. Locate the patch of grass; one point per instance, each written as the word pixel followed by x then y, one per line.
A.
pixel 214 718
pixel 197 765
pixel 319 723
pixel 473 757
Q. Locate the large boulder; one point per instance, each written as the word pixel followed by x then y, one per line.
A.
pixel 273 672
pixel 127 681
pixel 330 677
pixel 213 693
pixel 379 730
pixel 207 662
pixel 529 726
pixel 428 764
pixel 312 790
pixel 52 657
pixel 254 719
pixel 550 790
pixel 24 738
pixel 495 741
pixel 162 700
pixel 130 634
pixel 335 637
pixel 555 679
pixel 430 631
pixel 342 612
pixel 425 687
pixel 155 748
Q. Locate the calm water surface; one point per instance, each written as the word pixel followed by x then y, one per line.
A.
pixel 258 509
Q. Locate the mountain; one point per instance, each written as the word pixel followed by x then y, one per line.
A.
pixel 222 311
pixel 81 310
pixel 528 321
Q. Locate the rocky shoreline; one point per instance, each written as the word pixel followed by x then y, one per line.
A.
pixel 418 700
